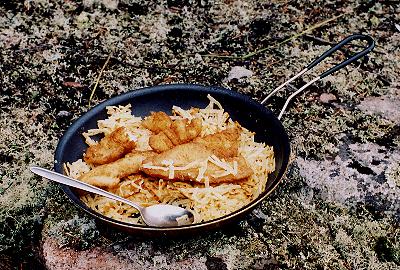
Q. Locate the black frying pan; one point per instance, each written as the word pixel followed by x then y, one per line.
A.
pixel 249 113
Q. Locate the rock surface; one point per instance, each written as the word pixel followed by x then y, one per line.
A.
pixel 337 208
pixel 387 106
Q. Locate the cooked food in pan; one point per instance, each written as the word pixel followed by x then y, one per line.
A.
pixel 112 147
pixel 169 133
pixel 194 162
pixel 199 159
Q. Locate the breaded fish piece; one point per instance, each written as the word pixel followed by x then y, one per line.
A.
pixel 109 175
pixel 157 122
pixel 169 133
pixel 160 142
pixel 189 161
pixel 111 147
pixel 181 131
pixel 186 131
pixel 223 144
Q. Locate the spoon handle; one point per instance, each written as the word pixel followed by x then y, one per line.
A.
pixel 62 179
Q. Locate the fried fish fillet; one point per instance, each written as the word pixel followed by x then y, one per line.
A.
pixel 111 147
pixel 170 133
pixel 185 130
pixel 109 175
pixel 194 162
pixel 160 142
pixel 223 144
pixel 157 122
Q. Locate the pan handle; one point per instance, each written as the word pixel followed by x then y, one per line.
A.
pixel 365 51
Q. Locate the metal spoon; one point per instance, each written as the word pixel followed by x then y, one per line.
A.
pixel 159 215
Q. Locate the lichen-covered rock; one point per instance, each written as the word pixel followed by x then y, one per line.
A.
pixel 387 106
pixel 363 174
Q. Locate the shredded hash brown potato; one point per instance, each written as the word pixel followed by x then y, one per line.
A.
pixel 206 201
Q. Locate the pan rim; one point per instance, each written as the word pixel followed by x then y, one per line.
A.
pixel 131 95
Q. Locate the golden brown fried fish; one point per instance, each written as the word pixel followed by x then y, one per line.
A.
pixel 194 162
pixel 170 133
pixel 109 175
pixel 110 148
pixel 223 144
pixel 157 122
pixel 160 142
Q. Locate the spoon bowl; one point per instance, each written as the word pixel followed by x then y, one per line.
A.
pixel 159 215
pixel 169 215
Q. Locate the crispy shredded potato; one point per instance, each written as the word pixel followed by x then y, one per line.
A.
pixel 206 201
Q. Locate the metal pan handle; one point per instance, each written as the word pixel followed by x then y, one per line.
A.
pixel 370 46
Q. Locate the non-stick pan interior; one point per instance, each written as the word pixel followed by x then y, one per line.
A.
pixel 241 108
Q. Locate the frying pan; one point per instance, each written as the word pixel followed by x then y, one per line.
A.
pixel 249 113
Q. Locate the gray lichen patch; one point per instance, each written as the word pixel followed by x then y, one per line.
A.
pixel 23 142
pixel 313 123
pixel 28 202
pixel 387 106
pixel 360 242
pixel 66 225
pixel 338 237
pixel 78 232
pixel 361 173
